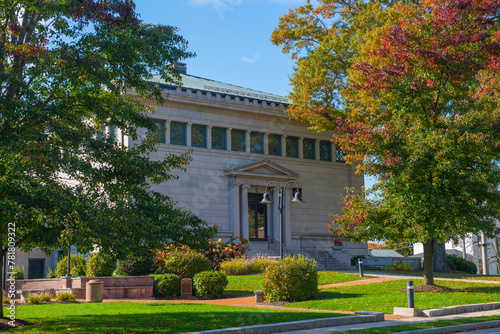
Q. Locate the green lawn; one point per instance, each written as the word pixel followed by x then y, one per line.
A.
pixel 245 285
pixel 446 275
pixel 384 296
pixel 147 317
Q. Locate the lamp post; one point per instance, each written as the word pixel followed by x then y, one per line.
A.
pixel 266 199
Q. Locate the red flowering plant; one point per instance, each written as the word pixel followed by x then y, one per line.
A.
pixel 219 251
pixel 337 242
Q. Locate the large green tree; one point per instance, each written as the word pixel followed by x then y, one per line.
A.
pixel 411 89
pixel 64 173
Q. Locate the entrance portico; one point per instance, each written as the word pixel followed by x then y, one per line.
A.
pixel 248 217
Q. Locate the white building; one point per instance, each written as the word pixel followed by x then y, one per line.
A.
pixel 241 139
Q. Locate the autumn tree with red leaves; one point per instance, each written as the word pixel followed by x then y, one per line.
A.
pixel 64 69
pixel 412 91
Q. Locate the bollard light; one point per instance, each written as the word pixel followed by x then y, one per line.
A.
pixel 360 265
pixel 409 290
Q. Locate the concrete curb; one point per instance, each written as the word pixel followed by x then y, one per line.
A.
pixel 454 329
pixel 363 317
pixel 438 312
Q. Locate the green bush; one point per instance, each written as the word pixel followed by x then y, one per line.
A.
pixel 457 263
pixel 100 264
pixel 185 264
pixel 291 278
pixel 238 266
pixel 51 273
pixel 260 263
pixel 65 297
pixel 168 285
pixel 18 273
pixel 210 284
pixel 135 266
pixel 78 266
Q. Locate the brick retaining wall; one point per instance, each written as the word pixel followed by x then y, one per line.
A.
pixel 114 287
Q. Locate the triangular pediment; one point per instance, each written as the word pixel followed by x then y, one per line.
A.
pixel 263 169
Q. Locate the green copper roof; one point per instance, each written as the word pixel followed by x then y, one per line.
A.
pixel 196 83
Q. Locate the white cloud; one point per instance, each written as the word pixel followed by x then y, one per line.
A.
pixel 220 6
pixel 252 60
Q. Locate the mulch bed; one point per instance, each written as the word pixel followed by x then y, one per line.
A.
pixel 5 324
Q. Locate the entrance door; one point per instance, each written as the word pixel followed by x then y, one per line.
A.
pixel 36 268
pixel 257 218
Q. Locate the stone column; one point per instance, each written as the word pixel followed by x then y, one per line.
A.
pixel 188 134
pixel 301 148
pixel 276 214
pixel 167 132
pixel 228 139
pixel 283 146
pixel 316 149
pixel 209 136
pixel 244 211
pixel 247 141
pixel 266 143
pixel 234 208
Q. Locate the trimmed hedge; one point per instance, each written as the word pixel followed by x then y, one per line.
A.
pixel 291 278
pixel 210 284
pixel 185 264
pixel 168 285
pixel 457 263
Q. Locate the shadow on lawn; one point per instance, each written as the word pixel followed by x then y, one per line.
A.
pixel 196 319
pixel 333 295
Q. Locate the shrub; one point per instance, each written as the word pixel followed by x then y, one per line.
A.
pixel 51 273
pixel 239 266
pixel 18 273
pixel 65 297
pixel 291 278
pixel 260 263
pixel 219 251
pixel 457 263
pixel 185 264
pixel 78 266
pixel 100 264
pixel 168 285
pixel 38 298
pixel 399 266
pixel 141 265
pixel 210 284
pixel 5 300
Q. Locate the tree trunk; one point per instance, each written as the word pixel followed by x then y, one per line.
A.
pixel 440 262
pixel 2 253
pixel 429 248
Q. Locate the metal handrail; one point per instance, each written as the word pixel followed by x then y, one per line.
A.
pixel 273 245
pixel 318 254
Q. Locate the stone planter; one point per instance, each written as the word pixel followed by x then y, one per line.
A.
pixel 338 248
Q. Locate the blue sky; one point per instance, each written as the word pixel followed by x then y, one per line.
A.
pixel 230 37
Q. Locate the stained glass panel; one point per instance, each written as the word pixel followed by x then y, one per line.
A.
pixel 257 142
pixel 309 149
pixel 219 138
pixel 339 155
pixel 238 140
pixel 292 147
pixel 161 130
pixel 198 136
pixel 177 133
pixel 274 144
pixel 325 150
